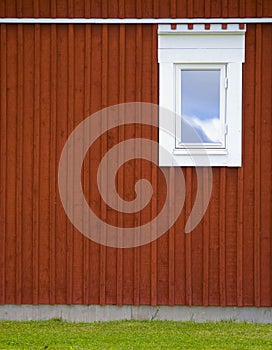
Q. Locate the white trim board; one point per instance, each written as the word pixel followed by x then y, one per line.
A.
pixel 254 20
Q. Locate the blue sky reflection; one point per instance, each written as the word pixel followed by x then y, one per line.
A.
pixel 200 105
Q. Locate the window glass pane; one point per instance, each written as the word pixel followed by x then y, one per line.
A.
pixel 200 106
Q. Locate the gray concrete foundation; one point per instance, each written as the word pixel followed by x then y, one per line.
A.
pixel 95 313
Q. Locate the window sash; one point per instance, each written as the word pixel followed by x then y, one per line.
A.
pixel 222 103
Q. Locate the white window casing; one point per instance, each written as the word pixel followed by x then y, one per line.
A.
pixel 201 49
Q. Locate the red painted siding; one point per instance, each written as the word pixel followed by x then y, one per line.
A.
pixel 54 76
pixel 136 8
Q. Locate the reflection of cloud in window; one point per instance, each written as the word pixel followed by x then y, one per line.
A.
pixel 207 130
pixel 200 104
pixel 200 91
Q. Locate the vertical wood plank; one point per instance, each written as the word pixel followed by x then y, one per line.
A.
pixel 180 256
pixel 225 8
pixel 61 137
pixel 199 7
pixel 144 276
pixel 27 164
pixel 156 11
pixel 188 238
pixel 121 8
pixel 216 9
pixel 86 174
pixel 233 8
pixel 95 158
pixel 120 180
pixel 53 7
pixel 222 230
pixel 154 248
pixel 190 9
pixel 213 211
pixel 231 236
pixel 207 9
pixel 259 8
pixel 182 9
pixel 45 9
pixel 267 8
pixel 78 9
pixel 3 160
pixel 173 8
pixel 70 125
pixel 3 9
pixel 78 90
pixel 171 238
pixel 240 202
pixel 138 172
pixel 248 166
pixel 53 167
pixel 242 8
pixel 164 8
pixel 240 219
pixel 11 93
pixel 19 9
pixel 62 8
pixel 44 167
pixel 251 8
pixel 266 170
pixel 36 164
pixel 196 247
pixel 87 11
pixel 113 8
pixel 19 161
pixel 36 8
pixel 104 99
pixel 70 5
pixel 257 167
pixel 104 7
pixel 139 9
pixel 114 267
pixel 206 244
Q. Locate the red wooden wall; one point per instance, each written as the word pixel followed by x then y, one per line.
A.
pixel 136 8
pixel 54 76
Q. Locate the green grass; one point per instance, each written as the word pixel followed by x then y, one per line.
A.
pixel 57 334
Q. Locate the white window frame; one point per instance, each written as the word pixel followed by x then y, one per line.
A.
pixel 200 48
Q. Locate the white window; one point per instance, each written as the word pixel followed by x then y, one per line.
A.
pixel 201 84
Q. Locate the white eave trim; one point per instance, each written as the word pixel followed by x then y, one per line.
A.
pixel 134 20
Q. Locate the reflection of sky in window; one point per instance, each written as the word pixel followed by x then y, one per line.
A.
pixel 200 105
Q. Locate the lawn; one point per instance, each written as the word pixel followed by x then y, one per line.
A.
pixel 57 334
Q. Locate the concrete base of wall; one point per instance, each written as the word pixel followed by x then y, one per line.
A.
pixel 94 313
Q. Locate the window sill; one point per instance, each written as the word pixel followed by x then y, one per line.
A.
pixel 205 151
